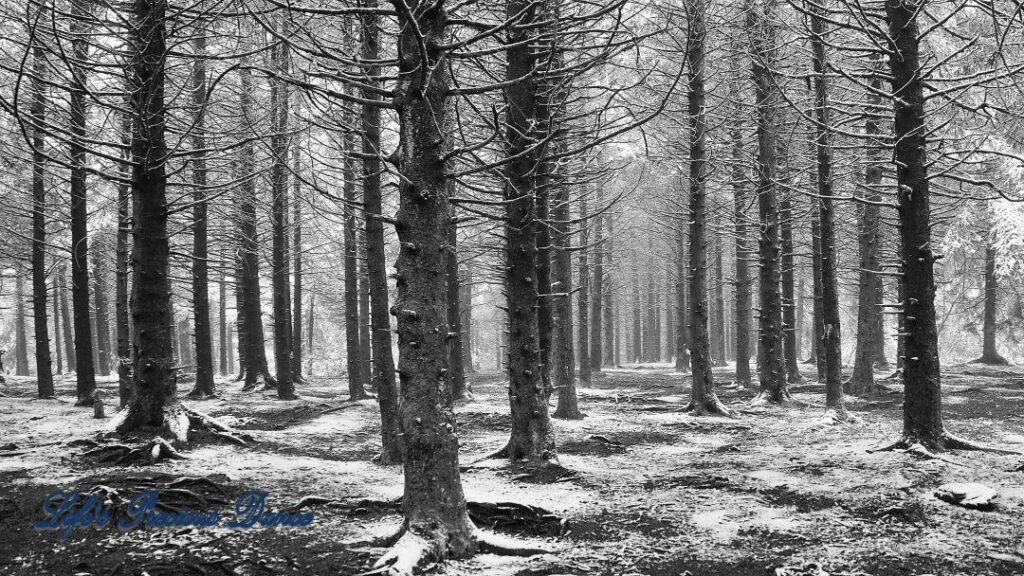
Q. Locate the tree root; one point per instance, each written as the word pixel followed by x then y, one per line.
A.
pixel 413 553
pixel 948 441
pixel 954 442
pixel 786 401
pixel 915 448
pixel 216 428
pixel 992 360
pixel 711 406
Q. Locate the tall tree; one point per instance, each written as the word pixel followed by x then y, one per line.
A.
pixel 380 319
pixel 297 280
pixel 743 302
pixel 121 305
pixel 597 287
pixel 989 353
pixel 583 299
pixel 153 402
pixel 456 368
pixel 562 353
pixel 353 340
pixel 761 28
pixel 703 399
pixel 20 330
pixel 44 372
pixel 102 315
pixel 65 316
pixel 85 375
pixel 200 251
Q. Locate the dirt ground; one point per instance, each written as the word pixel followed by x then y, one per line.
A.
pixel 646 490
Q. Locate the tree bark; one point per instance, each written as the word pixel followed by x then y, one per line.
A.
pixel 102 306
pixel 791 351
pixel 297 287
pixel 121 305
pixel 225 342
pixel 682 342
pixel 380 319
pixel 85 375
pixel 44 372
pixel 761 15
pixel 597 289
pixel 835 405
pixel 583 296
pixel 718 341
pixel 744 283
pixel 153 401
pixel 456 368
pixel 56 324
pixel 281 293
pixel 702 391
pixel 869 313
pixel 20 328
pixel 608 299
pixel 366 348
pixel 204 386
pixel 922 405
pixel 65 317
pixel 354 344
pixel 989 353
pixel 532 436
pixel 434 504
pixel 562 357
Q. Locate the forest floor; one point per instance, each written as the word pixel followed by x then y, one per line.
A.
pixel 646 490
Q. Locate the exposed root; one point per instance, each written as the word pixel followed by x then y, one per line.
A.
pixel 204 422
pixel 954 442
pixel 763 398
pixel 499 544
pixel 711 406
pixel 500 454
pixel 915 448
pixel 991 359
pixel 837 417
pixel 410 553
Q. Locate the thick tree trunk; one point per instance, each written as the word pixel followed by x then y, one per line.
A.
pixel 200 254
pixel 532 436
pixel 761 15
pixel 380 319
pixel 583 296
pixel 44 372
pixel 354 343
pixel 436 521
pixel 85 373
pixel 702 392
pixel 922 405
pixel 153 402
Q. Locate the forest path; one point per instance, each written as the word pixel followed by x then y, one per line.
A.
pixel 649 491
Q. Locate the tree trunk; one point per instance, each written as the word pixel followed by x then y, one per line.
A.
pixel 225 343
pixel 153 401
pixel 989 354
pixel 200 255
pixel 817 348
pixel 20 328
pixel 791 352
pixel 354 344
pixel 583 295
pixel 380 319
pixel 744 283
pixel 121 305
pixel 682 342
pixel 56 324
pixel 456 369
pixel 366 348
pixel 281 293
pixel 85 375
pixel 764 51
pixel 102 306
pixel 65 317
pixel 869 312
pixel 597 289
pixel 466 317
pixel 434 504
pixel 562 360
pixel 608 299
pixel 532 437
pixel 835 406
pixel 255 354
pixel 702 391
pixel 44 372
pixel 638 324
pixel 718 342
pixel 922 405
pixel 297 294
